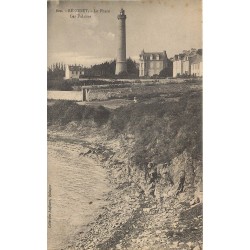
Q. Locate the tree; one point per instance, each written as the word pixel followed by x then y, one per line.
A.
pixel 56 71
pixel 123 73
pixel 167 71
pixel 131 67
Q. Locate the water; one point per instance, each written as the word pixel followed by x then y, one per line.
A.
pixel 77 187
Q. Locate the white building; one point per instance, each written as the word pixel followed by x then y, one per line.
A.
pixel 152 63
pixel 73 71
pixel 178 65
pixel 196 66
pixel 183 63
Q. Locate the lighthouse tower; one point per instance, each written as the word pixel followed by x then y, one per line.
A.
pixel 121 62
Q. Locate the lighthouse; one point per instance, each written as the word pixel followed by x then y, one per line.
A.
pixel 121 62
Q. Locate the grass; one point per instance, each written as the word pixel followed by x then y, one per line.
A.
pixel 162 129
pixel 63 112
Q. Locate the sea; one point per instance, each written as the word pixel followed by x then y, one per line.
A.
pixel 77 192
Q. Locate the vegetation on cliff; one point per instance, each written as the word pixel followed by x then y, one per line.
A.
pixel 63 112
pixel 161 129
pixel 162 132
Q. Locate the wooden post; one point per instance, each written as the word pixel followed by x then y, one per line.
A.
pixel 83 95
pixel 87 94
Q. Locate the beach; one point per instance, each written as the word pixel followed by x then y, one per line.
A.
pixel 77 189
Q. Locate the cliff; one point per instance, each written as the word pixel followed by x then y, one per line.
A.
pixel 153 154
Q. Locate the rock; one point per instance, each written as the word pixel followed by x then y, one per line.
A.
pixel 175 244
pixel 197 248
pixel 174 224
pixel 199 196
pixel 127 198
pixel 158 231
pixel 146 209
pixel 137 194
pixel 192 202
pixel 118 246
pixel 190 244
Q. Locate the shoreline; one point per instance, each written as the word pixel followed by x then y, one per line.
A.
pixel 133 220
pixel 74 198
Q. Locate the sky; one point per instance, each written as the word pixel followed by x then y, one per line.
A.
pixel 90 38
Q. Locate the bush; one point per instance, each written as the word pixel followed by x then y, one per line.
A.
pixel 63 112
pixel 123 74
pixel 59 85
pixel 155 76
pixel 162 130
pixel 166 72
pixel 99 115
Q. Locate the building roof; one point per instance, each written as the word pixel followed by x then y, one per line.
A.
pixel 147 55
pixel 75 67
pixel 179 57
pixel 196 59
pixel 191 54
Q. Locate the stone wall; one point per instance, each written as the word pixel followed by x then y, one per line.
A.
pixel 100 93
pixel 64 95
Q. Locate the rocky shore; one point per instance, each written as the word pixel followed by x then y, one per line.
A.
pixel 141 213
